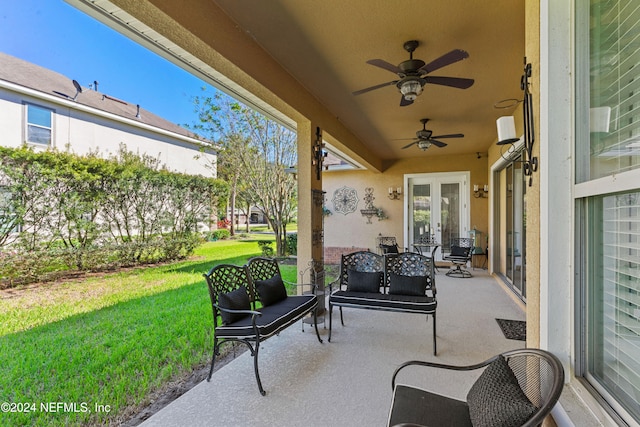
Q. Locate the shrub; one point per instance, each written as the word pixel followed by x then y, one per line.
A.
pixel 219 234
pixel 17 268
pixel 292 244
pixel 265 247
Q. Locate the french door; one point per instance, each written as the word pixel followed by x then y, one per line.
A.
pixel 437 206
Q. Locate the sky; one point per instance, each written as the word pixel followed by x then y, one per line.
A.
pixel 57 36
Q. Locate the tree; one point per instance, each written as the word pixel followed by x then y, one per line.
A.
pixel 254 153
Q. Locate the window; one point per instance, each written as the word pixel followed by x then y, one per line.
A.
pixel 614 89
pixel 39 129
pixel 608 200
pixel 613 297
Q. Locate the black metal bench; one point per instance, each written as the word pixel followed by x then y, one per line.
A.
pixel 250 304
pixel 403 282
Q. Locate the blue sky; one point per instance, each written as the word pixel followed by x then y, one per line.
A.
pixel 57 36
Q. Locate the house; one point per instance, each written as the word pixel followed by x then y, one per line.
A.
pixel 47 110
pixel 563 200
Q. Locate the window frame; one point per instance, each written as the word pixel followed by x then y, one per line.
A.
pixel 27 124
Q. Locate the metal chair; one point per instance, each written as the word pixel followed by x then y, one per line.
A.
pixel 516 388
pixel 426 242
pixel 460 255
pixel 388 245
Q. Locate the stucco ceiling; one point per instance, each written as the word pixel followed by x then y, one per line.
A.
pixel 325 44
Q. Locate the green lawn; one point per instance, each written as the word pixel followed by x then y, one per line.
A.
pixel 107 342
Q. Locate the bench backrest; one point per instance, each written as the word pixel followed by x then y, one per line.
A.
pixel 404 264
pixel 363 261
pixel 261 268
pixel 410 264
pixel 225 278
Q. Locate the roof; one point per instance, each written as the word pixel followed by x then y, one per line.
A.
pixel 32 76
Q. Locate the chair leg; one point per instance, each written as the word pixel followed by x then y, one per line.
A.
pixel 216 351
pixel 341 318
pixel 458 272
pixel 330 317
pixel 435 348
pixel 315 323
pixel 255 367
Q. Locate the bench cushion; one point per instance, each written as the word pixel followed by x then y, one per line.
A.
pixel 274 318
pixel 407 285
pixel 270 291
pixel 235 300
pixel 410 303
pixel 362 281
pixel 496 399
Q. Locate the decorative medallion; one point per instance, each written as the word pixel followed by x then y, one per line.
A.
pixel 345 200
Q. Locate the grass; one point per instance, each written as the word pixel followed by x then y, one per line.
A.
pixel 110 340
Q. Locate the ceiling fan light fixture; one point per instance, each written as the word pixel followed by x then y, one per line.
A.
pixel 410 89
pixel 423 145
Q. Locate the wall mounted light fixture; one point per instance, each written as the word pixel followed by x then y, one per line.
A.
pixel 395 193
pixel 506 130
pixel 318 153
pixel 506 126
pixel 479 192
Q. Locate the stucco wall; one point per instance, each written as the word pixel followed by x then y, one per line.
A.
pixel 352 230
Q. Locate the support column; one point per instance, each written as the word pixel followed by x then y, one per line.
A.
pixel 310 202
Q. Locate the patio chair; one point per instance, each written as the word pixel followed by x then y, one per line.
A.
pixel 460 255
pixel 516 388
pixel 388 245
pixel 425 242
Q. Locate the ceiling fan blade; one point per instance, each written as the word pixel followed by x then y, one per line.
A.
pixel 451 135
pixel 437 143
pixel 404 102
pixel 413 143
pixel 381 63
pixel 458 82
pixel 368 89
pixel 446 59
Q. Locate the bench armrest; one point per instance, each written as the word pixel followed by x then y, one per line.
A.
pixel 333 283
pixel 229 310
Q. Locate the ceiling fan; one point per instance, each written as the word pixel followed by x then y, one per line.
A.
pixel 413 76
pixel 426 138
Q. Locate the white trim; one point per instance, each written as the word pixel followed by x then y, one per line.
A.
pixel 555 177
pixel 625 181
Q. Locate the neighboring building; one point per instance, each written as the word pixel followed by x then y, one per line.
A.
pixel 45 109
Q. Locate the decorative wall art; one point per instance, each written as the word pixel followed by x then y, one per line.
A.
pixel 370 210
pixel 345 200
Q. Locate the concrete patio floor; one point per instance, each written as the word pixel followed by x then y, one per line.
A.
pixel 347 382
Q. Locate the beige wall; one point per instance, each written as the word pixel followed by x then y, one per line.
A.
pixel 352 230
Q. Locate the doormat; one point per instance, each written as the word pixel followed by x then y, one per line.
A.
pixel 513 329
